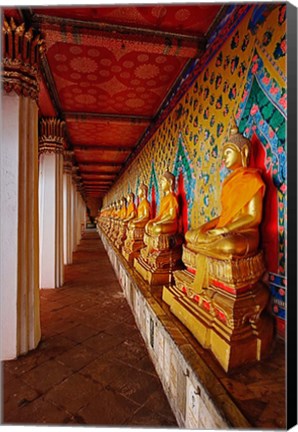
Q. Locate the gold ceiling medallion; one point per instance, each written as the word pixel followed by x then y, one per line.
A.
pixel 22 51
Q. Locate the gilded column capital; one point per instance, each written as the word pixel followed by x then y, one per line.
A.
pixel 51 135
pixel 67 161
pixel 22 51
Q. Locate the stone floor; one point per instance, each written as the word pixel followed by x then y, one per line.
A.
pixel 91 366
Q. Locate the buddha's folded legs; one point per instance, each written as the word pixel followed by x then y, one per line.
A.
pixel 238 244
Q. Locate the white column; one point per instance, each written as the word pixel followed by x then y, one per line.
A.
pixel 51 203
pixel 67 203
pixel 19 293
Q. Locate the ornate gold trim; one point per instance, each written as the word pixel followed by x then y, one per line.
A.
pixel 51 138
pixel 22 51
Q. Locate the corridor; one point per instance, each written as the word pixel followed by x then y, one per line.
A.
pixel 91 366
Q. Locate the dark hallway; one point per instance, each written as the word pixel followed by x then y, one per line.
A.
pixel 91 366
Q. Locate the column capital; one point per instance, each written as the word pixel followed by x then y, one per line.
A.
pixel 22 51
pixel 51 137
pixel 68 161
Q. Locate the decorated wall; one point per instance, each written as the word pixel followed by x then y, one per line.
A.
pixel 241 75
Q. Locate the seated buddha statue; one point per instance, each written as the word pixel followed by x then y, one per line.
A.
pixel 143 210
pixel 221 295
pixel 130 213
pixel 235 233
pixel 163 241
pixel 121 216
pixel 135 227
pixel 166 222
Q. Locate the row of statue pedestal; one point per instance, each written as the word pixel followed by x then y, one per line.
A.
pixel 213 277
pixel 228 316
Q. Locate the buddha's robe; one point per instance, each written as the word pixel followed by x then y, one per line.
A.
pixel 237 191
pixel 168 213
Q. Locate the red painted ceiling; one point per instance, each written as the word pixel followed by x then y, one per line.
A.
pixel 107 72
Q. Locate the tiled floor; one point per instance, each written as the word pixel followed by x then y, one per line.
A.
pixel 91 366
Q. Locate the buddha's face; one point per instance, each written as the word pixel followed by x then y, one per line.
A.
pixel 232 157
pixel 165 184
pixel 141 192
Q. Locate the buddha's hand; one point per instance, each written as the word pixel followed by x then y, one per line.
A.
pixel 217 232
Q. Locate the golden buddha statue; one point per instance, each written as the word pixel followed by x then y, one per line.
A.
pixel 136 226
pixel 163 242
pixel 114 217
pixel 121 216
pixel 220 296
pixel 130 214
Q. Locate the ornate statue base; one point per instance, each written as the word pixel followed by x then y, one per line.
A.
pixel 228 317
pixel 114 231
pixel 160 257
pixel 121 234
pixel 133 244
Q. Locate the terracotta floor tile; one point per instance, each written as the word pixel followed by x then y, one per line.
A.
pixel 103 342
pixel 135 385
pixel 47 375
pixel 74 393
pixel 144 417
pixel 55 345
pixel 86 367
pixel 17 394
pixel 104 370
pixel 108 409
pixel 79 333
pixel 26 362
pixel 76 358
pixel 38 412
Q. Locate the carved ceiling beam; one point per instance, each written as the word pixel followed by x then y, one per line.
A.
pixel 121 37
pixel 98 173
pixel 105 148
pixel 22 51
pixel 101 164
pixel 77 116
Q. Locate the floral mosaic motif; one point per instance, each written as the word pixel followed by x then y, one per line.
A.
pixel 282 14
pixel 259 115
pixel 278 288
pixel 280 49
pixel 258 17
pixel 235 40
pixel 245 42
pixel 267 37
pixel 184 165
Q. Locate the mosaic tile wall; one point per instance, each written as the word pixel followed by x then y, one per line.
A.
pixel 245 79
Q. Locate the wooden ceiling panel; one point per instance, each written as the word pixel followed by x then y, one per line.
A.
pixel 105 132
pixel 111 81
pixel 109 71
pixel 100 156
pixel 184 18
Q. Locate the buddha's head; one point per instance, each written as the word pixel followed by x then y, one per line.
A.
pixel 236 150
pixel 167 181
pixel 130 197
pixel 143 190
pixel 122 202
